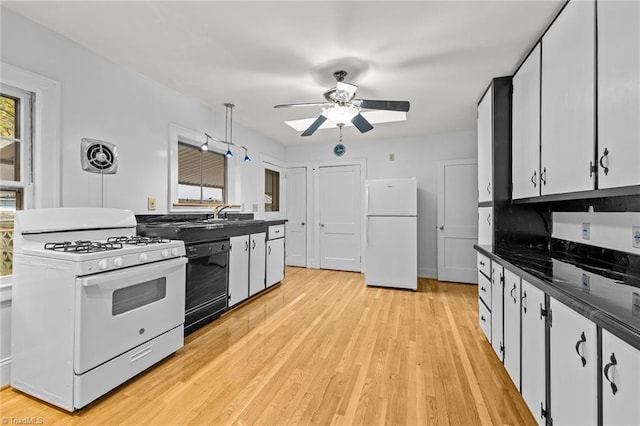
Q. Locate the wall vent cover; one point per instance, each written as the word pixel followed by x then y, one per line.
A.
pixel 99 156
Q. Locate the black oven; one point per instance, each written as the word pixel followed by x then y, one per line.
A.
pixel 207 281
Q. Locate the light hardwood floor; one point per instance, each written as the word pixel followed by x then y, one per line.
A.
pixel 320 348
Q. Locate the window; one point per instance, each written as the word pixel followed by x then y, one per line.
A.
pixel 271 190
pixel 15 162
pixel 201 175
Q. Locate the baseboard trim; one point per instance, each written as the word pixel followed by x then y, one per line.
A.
pixel 5 371
pixel 427 273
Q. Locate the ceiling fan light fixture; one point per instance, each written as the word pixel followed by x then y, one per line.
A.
pixel 341 114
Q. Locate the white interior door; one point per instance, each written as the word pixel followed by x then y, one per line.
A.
pixel 296 229
pixel 340 192
pixel 457 221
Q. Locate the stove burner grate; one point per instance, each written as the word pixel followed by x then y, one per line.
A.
pixel 82 246
pixel 138 240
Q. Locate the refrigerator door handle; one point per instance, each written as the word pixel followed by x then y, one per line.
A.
pixel 366 217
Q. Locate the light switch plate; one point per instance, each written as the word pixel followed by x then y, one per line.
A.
pixel 586 283
pixel 586 231
pixel 635 304
pixel 151 203
pixel 636 236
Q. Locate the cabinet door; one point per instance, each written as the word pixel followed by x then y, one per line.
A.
pixel 485 137
pixel 257 263
pixel 275 261
pixel 573 370
pixel 533 380
pixel 620 382
pixel 618 93
pixel 497 287
pixel 512 326
pixel 525 162
pixel 484 289
pixel 568 50
pixel 238 269
pixel 485 225
pixel 484 319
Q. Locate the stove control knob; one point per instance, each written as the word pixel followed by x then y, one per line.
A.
pixel 142 257
pixel 164 253
pixel 118 261
pixel 174 251
pixel 102 264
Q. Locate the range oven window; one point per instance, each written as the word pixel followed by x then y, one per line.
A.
pixel 129 298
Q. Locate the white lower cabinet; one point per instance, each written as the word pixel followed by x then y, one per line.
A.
pixel 484 318
pixel 238 269
pixel 573 370
pixel 257 259
pixel 511 332
pixel 497 287
pixel 620 382
pixel 275 255
pixel 533 379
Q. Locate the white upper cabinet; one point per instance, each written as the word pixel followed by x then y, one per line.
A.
pixel 568 81
pixel 485 137
pixel 526 128
pixel 618 93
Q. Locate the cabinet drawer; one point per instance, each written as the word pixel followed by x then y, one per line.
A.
pixel 484 319
pixel 484 289
pixel 276 231
pixel 484 265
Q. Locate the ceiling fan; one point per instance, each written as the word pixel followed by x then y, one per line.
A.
pixel 341 107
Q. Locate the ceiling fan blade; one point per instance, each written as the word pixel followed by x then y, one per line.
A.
pixel 300 105
pixel 384 105
pixel 314 126
pixel 361 123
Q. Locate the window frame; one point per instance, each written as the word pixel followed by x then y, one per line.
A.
pixel 179 134
pixel 276 165
pixel 202 154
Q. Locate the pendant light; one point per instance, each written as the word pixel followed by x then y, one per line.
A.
pixel 228 126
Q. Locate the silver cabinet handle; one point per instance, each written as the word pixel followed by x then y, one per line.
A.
pixel 543 176
pixel 533 178
pixel 605 156
pixel 613 362
pixel 489 219
pixel 583 339
pixel 489 187
pixel 246 245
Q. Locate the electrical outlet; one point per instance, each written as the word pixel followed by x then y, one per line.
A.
pixel 254 208
pixel 636 236
pixel 151 203
pixel 635 304
pixel 586 283
pixel 586 231
pixel 392 156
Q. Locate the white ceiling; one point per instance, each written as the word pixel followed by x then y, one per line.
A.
pixel 439 55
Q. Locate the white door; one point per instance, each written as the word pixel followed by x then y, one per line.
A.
pixel 568 82
pixel 574 369
pixel 618 93
pixel 296 235
pixel 238 269
pixel 340 192
pixel 533 382
pixel 457 221
pixel 526 128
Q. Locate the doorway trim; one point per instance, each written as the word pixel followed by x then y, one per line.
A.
pixel 310 205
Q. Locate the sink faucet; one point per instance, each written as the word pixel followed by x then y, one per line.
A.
pixel 218 209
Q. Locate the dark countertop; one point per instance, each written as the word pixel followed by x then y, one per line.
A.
pixel 199 229
pixel 602 285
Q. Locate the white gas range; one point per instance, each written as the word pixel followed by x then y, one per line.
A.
pixel 92 304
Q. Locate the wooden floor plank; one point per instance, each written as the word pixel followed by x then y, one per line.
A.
pixel 321 348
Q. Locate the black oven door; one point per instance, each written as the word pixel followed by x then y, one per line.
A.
pixel 207 282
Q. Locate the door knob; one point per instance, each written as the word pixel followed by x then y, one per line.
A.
pixel 322 225
pixel 441 228
pixel 302 224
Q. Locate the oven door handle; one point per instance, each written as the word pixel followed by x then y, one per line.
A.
pixel 123 277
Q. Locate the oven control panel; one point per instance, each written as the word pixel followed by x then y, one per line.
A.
pixel 140 256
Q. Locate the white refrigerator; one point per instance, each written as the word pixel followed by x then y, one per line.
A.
pixel 391 239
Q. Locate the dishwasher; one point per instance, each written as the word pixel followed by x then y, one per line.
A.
pixel 206 284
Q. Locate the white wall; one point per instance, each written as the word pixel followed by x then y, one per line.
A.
pixel 417 157
pixel 104 100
